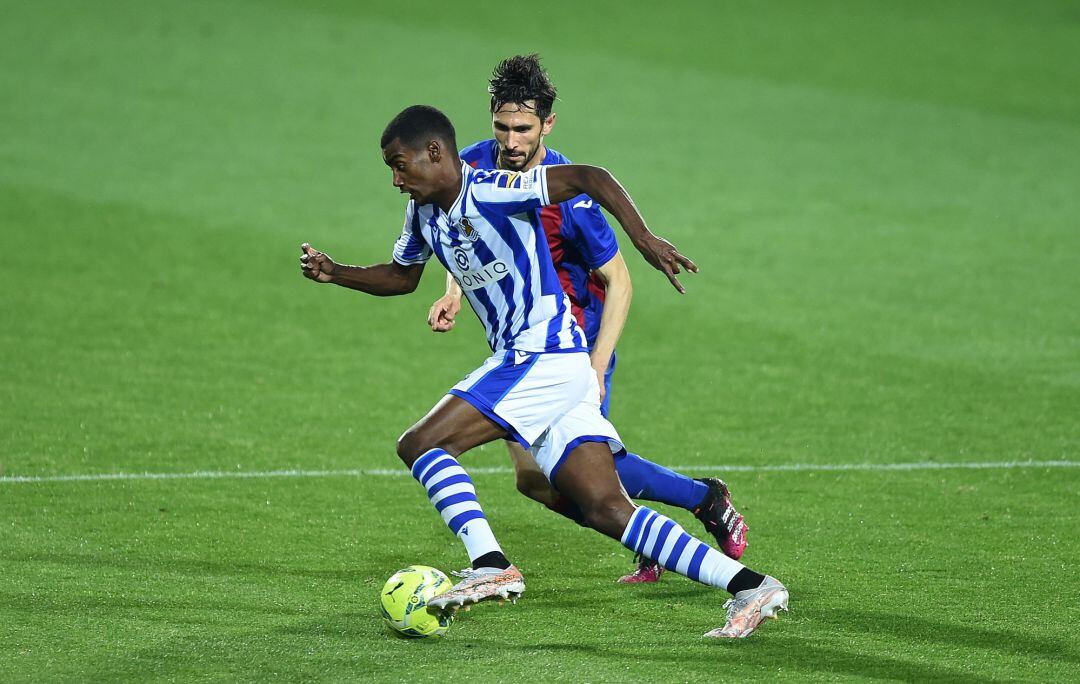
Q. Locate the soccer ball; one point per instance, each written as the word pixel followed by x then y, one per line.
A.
pixel 404 602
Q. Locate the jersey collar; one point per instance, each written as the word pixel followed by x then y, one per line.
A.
pixel 457 208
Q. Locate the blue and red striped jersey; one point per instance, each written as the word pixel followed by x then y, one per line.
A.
pixel 579 237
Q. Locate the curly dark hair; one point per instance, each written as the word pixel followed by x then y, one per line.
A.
pixel 519 79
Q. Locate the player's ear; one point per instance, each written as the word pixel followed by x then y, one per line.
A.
pixel 435 151
pixel 548 124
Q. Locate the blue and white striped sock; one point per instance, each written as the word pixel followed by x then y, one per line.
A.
pixel 454 496
pixel 662 539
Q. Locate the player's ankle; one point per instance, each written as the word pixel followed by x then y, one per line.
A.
pixel 745 579
pixel 491 559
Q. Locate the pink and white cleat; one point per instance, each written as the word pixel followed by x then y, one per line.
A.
pixel 481 584
pixel 750 608
pixel 721 520
pixel 647 570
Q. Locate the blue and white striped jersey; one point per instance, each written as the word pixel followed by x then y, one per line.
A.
pixel 492 243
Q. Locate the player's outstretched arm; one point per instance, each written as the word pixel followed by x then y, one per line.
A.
pixel 382 280
pixel 443 313
pixel 618 292
pixel 570 180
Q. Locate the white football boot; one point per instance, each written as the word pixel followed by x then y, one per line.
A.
pixel 481 584
pixel 750 608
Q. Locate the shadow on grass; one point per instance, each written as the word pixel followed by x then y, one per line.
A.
pixel 184 566
pixel 778 647
pixel 775 654
pixel 353 644
pixel 104 604
pixel 949 633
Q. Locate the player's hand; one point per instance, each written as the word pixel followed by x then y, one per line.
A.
pixel 316 265
pixel 442 315
pixel 600 373
pixel 665 258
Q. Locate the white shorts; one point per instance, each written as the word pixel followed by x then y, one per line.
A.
pixel 549 403
pixel 526 393
pixel 583 423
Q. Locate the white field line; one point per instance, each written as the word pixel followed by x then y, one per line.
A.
pixel 402 472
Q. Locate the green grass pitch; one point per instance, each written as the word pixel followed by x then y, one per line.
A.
pixel 883 198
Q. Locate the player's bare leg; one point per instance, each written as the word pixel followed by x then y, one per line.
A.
pixel 430 449
pixel 453 425
pixel 530 479
pixel 588 477
pixel 532 482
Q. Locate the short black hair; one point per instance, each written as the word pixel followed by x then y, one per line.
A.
pixel 417 125
pixel 519 79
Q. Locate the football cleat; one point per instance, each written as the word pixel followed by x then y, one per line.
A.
pixel 647 570
pixel 481 584
pixel 750 607
pixel 721 520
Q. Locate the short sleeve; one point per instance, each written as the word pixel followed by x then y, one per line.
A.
pixel 590 231
pixel 411 248
pixel 515 191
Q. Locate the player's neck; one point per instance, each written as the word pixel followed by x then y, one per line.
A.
pixel 538 158
pixel 446 197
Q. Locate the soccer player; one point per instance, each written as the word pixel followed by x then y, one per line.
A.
pixel 538 386
pixel 594 276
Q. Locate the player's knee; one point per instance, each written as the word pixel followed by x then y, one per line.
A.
pixel 535 486
pixel 417 441
pixel 524 486
pixel 409 446
pixel 608 515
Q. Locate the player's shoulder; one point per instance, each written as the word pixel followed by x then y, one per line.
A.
pixel 483 180
pixel 553 157
pixel 480 155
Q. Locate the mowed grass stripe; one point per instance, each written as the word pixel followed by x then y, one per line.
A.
pixel 287 586
pixel 387 472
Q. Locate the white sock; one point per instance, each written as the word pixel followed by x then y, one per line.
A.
pixel 452 492
pixel 662 539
